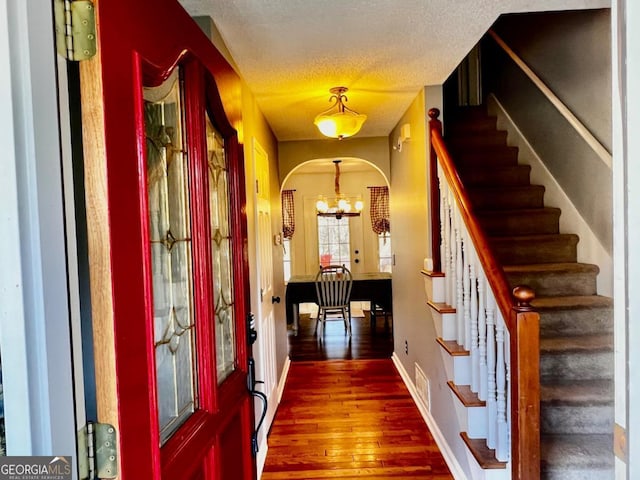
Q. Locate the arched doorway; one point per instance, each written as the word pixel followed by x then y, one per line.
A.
pixel 349 241
pixel 317 177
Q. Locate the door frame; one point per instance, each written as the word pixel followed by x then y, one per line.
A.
pixel 38 386
pixel 265 346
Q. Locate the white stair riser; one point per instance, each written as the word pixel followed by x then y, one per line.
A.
pixel 445 324
pixel 448 326
pixel 475 419
pixel 478 473
pixel 462 370
pixel 457 368
pixel 434 288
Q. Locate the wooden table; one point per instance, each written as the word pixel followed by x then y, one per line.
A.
pixel 367 287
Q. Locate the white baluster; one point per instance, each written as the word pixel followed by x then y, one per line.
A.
pixel 443 216
pixel 453 251
pixel 507 362
pixel 466 285
pixel 480 327
pixel 502 446
pixel 459 279
pixel 446 240
pixel 491 371
pixel 475 354
pixel 482 335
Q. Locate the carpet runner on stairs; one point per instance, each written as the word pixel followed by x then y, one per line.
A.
pixel 576 324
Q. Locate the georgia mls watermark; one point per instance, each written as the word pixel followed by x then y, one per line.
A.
pixel 35 468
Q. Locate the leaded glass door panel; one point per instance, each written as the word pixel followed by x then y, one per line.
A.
pixel 221 251
pixel 171 255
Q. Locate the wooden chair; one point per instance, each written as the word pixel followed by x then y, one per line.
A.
pixel 333 289
pixel 378 311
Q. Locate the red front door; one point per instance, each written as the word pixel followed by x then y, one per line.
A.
pixel 164 183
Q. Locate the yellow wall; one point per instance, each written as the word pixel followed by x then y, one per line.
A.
pixel 255 128
pixel 373 149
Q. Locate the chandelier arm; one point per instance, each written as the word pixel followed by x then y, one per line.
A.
pixel 341 105
pixel 337 181
pixel 334 98
pixel 347 109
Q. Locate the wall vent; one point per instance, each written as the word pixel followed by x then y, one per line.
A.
pixel 423 387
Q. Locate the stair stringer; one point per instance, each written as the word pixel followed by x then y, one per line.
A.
pixel 590 249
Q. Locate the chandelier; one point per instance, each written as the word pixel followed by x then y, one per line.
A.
pixel 339 121
pixel 340 205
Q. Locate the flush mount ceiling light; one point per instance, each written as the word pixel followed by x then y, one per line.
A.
pixel 339 121
pixel 340 205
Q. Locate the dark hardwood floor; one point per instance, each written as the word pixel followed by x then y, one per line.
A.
pixel 364 342
pixel 351 420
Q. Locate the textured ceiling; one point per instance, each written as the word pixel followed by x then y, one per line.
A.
pixel 291 52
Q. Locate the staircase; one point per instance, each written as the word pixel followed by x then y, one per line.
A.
pixel 576 324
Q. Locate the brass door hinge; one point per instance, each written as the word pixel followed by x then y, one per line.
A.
pixel 75 29
pixel 97 451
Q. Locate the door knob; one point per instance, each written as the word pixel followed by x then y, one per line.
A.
pixel 275 299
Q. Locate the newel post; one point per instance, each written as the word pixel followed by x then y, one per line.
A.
pixel 525 386
pixel 435 126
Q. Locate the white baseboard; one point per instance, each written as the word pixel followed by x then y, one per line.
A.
pixel 261 456
pixel 447 453
pixel 263 448
pixel 283 378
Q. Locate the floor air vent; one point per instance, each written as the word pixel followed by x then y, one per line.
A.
pixel 422 387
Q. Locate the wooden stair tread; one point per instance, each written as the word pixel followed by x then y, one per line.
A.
pixel 441 307
pixel 452 347
pixel 466 396
pixel 428 273
pixel 485 456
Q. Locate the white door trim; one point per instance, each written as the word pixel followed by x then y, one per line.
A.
pixel 34 317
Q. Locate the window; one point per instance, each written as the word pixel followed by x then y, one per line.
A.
pixel 333 241
pixel 385 257
pixel 286 245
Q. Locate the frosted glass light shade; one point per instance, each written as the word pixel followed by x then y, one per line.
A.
pixel 340 124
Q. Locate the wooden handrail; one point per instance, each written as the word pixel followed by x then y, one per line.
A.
pixel 579 127
pixel 522 322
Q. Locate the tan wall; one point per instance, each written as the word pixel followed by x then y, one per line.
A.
pixel 410 230
pixel 373 149
pixel 256 128
pixel 409 227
